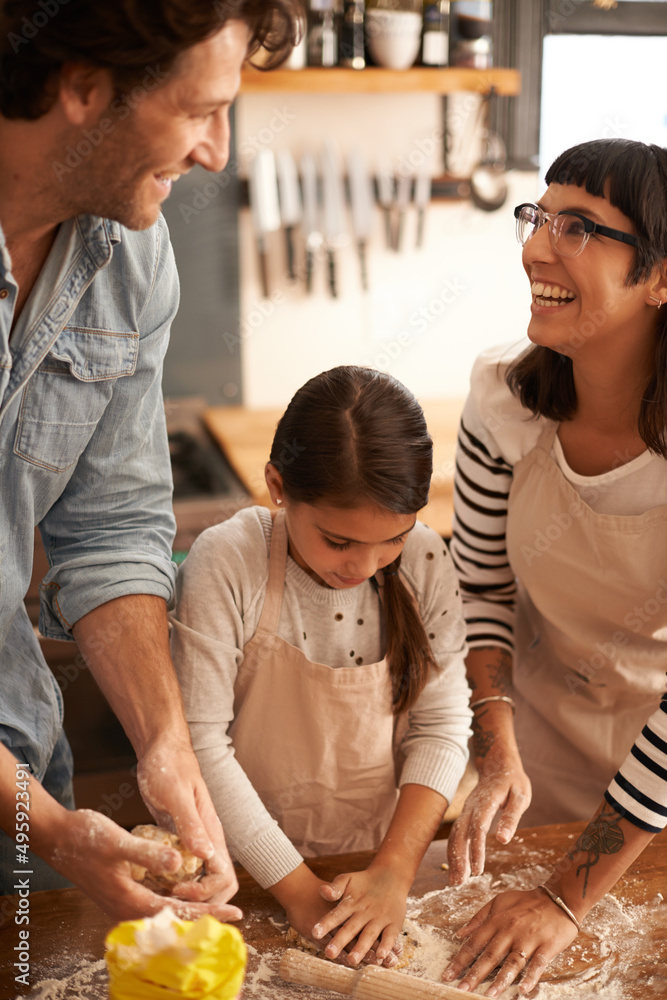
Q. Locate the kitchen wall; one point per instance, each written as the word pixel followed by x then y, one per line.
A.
pixel 429 311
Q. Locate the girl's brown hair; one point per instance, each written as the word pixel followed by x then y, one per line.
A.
pixel 127 37
pixel 352 436
pixel 633 176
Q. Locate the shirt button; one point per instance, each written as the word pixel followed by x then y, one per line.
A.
pixel 4 292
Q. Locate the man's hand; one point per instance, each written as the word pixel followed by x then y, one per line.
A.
pixel 95 853
pixel 135 672
pixel 173 789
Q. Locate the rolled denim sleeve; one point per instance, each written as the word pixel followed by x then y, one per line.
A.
pixel 110 533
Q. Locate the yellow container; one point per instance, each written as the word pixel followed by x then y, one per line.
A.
pixel 164 957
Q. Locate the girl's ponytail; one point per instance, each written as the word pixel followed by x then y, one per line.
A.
pixel 408 650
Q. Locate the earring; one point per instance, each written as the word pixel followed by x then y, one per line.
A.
pixel 278 500
pixel 654 298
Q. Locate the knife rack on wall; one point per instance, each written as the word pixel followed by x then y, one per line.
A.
pixel 444 188
pixel 329 201
pixel 453 179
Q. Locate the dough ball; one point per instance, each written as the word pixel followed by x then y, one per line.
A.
pixel 295 940
pixel 191 867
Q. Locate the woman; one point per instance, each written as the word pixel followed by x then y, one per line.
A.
pixel 561 518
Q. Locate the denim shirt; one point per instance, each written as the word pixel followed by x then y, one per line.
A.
pixel 83 450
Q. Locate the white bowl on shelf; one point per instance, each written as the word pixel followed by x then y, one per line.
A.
pixel 393 37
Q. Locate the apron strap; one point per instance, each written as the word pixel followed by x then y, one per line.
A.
pixel 275 586
pixel 546 438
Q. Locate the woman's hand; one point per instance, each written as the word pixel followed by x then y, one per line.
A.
pixel 503 786
pixel 519 931
pixel 370 912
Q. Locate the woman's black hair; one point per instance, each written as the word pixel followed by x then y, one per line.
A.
pixel 633 176
pixel 354 436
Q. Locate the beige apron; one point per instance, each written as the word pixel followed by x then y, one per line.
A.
pixel 315 741
pixel 591 638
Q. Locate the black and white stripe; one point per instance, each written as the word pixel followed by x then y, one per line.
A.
pixel 478 546
pixel 639 789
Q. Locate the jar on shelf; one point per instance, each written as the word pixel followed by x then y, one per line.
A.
pixel 352 45
pixel 471 38
pixel 322 38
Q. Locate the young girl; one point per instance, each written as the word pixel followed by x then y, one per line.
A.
pixel 320 653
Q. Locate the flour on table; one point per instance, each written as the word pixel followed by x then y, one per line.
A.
pixel 86 980
pixel 612 943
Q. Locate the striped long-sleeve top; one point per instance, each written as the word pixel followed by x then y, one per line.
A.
pixel 496 432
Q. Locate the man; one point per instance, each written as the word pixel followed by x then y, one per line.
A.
pixel 102 107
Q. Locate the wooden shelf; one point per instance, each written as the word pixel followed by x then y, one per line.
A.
pixel 337 80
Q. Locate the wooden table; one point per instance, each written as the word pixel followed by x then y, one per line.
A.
pixel 67 930
pixel 245 437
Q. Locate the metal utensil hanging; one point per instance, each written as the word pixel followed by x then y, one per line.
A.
pixel 488 181
pixel 361 201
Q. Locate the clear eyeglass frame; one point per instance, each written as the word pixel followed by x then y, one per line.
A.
pixel 569 232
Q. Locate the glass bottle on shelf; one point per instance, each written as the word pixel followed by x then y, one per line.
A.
pixel 435 39
pixel 352 41
pixel 322 35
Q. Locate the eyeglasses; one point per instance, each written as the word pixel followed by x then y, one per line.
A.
pixel 569 232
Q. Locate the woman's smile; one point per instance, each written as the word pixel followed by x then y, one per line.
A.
pixel 550 296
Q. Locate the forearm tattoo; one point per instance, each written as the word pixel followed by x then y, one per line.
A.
pixel 603 835
pixel 482 739
pixel 498 668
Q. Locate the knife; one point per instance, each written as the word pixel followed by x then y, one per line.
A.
pixel 361 199
pixel 311 224
pixel 422 199
pixel 334 208
pixel 290 203
pixel 403 191
pixel 386 198
pixel 263 190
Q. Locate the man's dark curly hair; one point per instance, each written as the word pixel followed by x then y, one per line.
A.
pixel 127 37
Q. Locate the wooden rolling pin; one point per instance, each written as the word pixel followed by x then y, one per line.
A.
pixel 371 983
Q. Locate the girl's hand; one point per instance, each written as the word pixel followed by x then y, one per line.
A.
pixel 371 912
pixel 299 895
pixel 503 785
pixel 519 931
pixel 306 912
